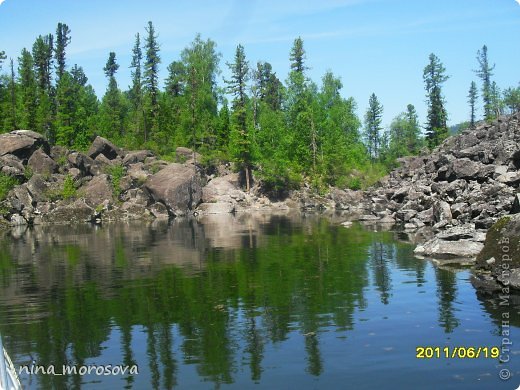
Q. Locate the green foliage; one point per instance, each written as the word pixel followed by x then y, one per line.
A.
pixel 68 190
pixel 7 183
pixel 116 173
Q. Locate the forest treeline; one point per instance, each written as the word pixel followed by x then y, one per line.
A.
pixel 286 132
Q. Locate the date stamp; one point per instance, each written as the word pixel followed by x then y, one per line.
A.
pixel 431 352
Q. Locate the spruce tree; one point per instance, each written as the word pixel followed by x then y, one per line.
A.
pixel 485 71
pixel 151 79
pixel 472 100
pixel 28 90
pixel 434 76
pixel 373 119
pixel 136 91
pixel 62 41
pixel 43 60
pixel 297 56
pixel 111 107
pixel 236 86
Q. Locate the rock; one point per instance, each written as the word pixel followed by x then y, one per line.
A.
pixel 343 199
pixel 177 186
pixel 82 162
pixel 442 211
pixel 22 143
pixel 41 163
pixel 11 165
pixel 38 188
pixel 103 146
pixel 368 218
pixel 159 210
pixel 457 233
pixel 511 278
pixel 464 168
pixel 449 249
pixel 17 220
pixel 97 191
pixel 102 160
pixel 78 211
pixel 223 189
pixel 216 208
pixel 186 155
pixel 136 157
pixel 509 178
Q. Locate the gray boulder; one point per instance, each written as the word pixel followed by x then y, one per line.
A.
pixel 103 146
pixel 442 211
pixel 41 163
pixel 22 143
pixel 96 191
pixel 438 248
pixel 177 186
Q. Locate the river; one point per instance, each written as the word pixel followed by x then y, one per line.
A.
pixel 247 301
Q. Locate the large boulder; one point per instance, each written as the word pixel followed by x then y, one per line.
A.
pixel 97 191
pixel 137 156
pixel 177 186
pixel 222 189
pixel 442 211
pixel 103 146
pixel 464 168
pixel 22 143
pixel 438 248
pixel 41 163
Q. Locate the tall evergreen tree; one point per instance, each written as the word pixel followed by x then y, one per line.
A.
pixel 112 108
pixel 151 79
pixel 297 56
pixel 472 100
pixel 62 41
pixel 28 91
pixel 434 76
pixel 43 60
pixel 135 93
pixel 236 86
pixel 373 128
pixel 485 71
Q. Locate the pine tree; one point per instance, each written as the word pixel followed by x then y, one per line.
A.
pixel 151 79
pixel 237 87
pixel 472 100
pixel 62 41
pixel 485 72
pixel 373 119
pixel 434 76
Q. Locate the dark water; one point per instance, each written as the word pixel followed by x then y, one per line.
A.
pixel 243 302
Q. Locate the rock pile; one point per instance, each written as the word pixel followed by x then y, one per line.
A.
pixel 62 186
pixel 459 190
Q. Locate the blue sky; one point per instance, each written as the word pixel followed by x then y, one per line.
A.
pixel 378 46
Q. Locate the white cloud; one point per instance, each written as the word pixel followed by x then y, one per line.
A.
pixel 1 1
pixel 518 1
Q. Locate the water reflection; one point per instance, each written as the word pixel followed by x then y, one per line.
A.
pixel 225 299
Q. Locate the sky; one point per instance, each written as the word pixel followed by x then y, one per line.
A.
pixel 374 46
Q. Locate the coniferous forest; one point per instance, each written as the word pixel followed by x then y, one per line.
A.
pixel 283 130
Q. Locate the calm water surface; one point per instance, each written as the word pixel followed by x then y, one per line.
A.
pixel 243 302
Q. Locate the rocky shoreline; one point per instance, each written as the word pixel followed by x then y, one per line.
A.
pixel 448 199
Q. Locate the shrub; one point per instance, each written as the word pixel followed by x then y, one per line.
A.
pixel 6 184
pixel 69 189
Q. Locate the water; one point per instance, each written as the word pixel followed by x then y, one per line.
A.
pixel 243 302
